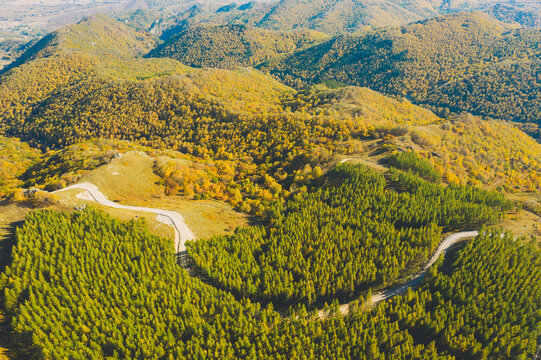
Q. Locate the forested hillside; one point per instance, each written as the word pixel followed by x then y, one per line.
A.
pixel 139 304
pixel 63 95
pixel 15 158
pixel 465 62
pixel 354 233
pixel 233 46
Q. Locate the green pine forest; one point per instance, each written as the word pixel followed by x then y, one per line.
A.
pixel 87 286
pixel 357 230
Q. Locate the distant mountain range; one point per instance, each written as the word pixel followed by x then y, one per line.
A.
pixel 328 16
pixel 21 21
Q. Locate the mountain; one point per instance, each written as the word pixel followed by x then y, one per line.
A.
pixel 76 84
pixel 98 35
pixel 232 46
pixel 464 62
pixel 59 60
pixel 167 19
pixel 329 16
pixel 336 16
pixel 345 15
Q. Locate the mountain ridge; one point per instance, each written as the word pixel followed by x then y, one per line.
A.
pixel 230 46
pixel 421 60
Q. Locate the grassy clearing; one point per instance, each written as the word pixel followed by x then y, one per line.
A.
pixel 130 180
pixel 523 223
pixel 369 155
pixel 526 222
pixel 205 218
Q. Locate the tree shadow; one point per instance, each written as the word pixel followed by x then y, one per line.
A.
pixel 7 242
pixel 19 348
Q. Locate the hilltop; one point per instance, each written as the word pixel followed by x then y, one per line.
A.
pixel 232 46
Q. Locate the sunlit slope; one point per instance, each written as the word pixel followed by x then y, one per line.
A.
pixel 65 95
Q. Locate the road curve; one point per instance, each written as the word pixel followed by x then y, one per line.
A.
pixel 182 232
pixel 400 289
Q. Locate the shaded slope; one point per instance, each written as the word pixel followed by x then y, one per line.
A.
pixel 233 46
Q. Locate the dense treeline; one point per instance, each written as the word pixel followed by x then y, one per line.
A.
pixel 486 305
pixel 351 234
pixel 85 286
pixel 165 113
pixel 410 161
pixel 481 152
pixel 57 168
pixel 524 14
pixel 464 62
pixel 350 101
pixel 459 206
pixel 233 46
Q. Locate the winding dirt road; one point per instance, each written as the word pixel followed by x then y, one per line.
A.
pixel 182 232
pixel 397 290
